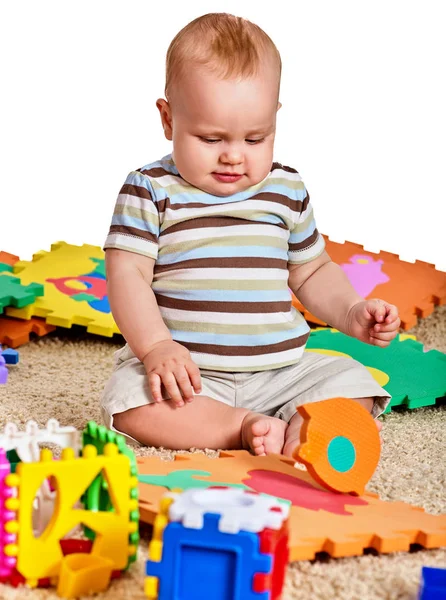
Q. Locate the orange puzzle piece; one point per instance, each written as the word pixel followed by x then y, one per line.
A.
pixel 320 520
pixel 340 444
pixel 8 259
pixel 416 288
pixel 16 332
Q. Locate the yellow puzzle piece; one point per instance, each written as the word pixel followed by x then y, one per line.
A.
pixel 75 288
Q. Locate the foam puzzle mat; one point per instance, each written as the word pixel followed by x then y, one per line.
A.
pixel 75 290
pixel 320 520
pixel 15 332
pixel 412 377
pixel 416 288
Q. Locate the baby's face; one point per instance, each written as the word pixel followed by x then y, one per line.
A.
pixel 221 128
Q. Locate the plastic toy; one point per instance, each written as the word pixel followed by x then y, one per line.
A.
pixel 8 528
pixel 16 332
pixel 3 371
pixel 414 378
pixel 11 356
pixel 340 444
pixel 385 275
pixel 13 292
pixel 82 574
pixel 46 493
pixel 433 584
pixel 218 543
pixel 75 288
pixel 320 520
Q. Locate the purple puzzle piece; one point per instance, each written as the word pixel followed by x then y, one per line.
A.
pixel 3 371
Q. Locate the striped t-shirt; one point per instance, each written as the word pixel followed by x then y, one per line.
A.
pixel 220 273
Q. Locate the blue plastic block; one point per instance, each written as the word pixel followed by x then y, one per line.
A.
pixel 10 355
pixel 433 584
pixel 199 564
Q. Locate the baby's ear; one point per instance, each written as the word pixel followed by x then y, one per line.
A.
pixel 166 117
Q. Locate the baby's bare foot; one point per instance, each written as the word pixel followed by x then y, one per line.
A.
pixel 263 435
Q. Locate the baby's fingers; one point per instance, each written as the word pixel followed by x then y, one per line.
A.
pixel 195 377
pixel 170 383
pixel 155 387
pixel 387 326
pixel 184 383
pixel 385 336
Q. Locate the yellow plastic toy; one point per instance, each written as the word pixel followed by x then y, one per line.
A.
pixel 340 444
pixel 83 574
pixel 42 557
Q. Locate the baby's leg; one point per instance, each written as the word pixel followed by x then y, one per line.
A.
pixel 292 434
pixel 202 423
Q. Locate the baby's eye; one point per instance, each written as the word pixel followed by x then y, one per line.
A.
pixel 255 141
pixel 209 140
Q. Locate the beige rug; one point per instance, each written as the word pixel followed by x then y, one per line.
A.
pixel 62 376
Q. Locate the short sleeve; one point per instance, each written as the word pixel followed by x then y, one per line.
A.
pixel 305 242
pixel 135 222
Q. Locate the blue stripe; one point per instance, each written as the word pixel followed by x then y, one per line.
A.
pixel 239 340
pixel 223 251
pixel 295 238
pixel 189 195
pixel 127 221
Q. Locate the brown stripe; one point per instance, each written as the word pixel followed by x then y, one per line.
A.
pixel 236 262
pixel 309 241
pixel 133 232
pixel 246 350
pixel 293 205
pixel 277 165
pixel 156 172
pixel 223 307
pixel 136 190
pixel 199 223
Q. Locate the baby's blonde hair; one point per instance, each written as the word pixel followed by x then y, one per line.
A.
pixel 228 45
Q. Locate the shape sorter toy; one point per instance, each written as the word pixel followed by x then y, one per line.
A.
pixel 218 543
pixel 43 501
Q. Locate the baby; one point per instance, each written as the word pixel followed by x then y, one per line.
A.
pixel 204 247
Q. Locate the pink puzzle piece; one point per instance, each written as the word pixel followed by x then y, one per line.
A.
pixel 364 273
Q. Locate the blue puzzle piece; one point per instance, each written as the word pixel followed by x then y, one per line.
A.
pixel 10 355
pixel 198 564
pixel 433 584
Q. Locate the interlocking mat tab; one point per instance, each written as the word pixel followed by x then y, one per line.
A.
pixel 415 288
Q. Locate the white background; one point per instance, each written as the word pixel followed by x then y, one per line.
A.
pixel 363 117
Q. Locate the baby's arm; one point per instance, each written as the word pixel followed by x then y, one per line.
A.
pixel 325 290
pixel 136 312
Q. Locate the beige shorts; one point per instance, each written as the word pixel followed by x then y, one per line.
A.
pixel 275 393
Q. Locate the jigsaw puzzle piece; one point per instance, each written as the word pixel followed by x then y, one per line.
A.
pixel 14 293
pixel 16 332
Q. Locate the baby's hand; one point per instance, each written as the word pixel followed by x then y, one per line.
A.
pixel 170 364
pixel 374 322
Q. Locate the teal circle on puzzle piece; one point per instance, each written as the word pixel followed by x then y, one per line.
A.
pixel 341 454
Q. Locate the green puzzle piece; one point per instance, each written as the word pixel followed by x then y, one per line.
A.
pixel 416 378
pixel 13 293
pixel 184 479
pixel 5 267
